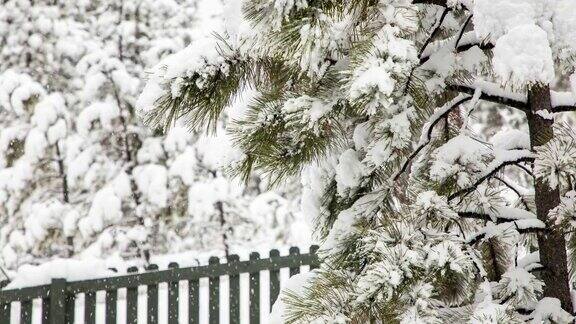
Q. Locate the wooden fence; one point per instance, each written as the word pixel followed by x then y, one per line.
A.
pixel 59 297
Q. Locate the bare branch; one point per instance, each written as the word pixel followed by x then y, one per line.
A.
pixel 559 109
pixel 462 30
pixel 442 3
pixel 426 43
pixel 435 31
pixel 520 196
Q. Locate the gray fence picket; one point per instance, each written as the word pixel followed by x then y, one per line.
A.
pixel 254 292
pixel 152 299
pixel 5 311
pixel 214 294
pixel 58 300
pixel 111 306
pixel 132 300
pixel 90 307
pixel 294 252
pixel 313 250
pixel 70 308
pixel 45 317
pixel 274 279
pixel 194 302
pixel 234 292
pixel 173 295
pixel 26 312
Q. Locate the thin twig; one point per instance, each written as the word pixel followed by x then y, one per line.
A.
pixel 515 191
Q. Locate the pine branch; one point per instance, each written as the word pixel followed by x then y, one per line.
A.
pixel 521 226
pixel 457 44
pixel 442 3
pixel 562 108
pixel 498 95
pixel 495 98
pixel 428 128
pixel 435 32
pixel 462 30
pixel 433 35
pixel 491 173
pixel 520 196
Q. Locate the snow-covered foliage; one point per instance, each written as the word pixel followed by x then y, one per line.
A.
pixel 80 176
pixel 423 133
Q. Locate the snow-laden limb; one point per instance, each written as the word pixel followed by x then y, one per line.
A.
pixel 495 230
pixel 433 120
pixel 493 92
pixel 530 261
pixel 497 214
pixel 549 310
pixel 563 101
pixel 519 287
pixel 502 159
pixel 457 44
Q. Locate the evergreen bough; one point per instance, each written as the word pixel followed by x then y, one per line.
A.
pixel 375 104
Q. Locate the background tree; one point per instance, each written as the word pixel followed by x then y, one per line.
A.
pixel 80 174
pixel 422 218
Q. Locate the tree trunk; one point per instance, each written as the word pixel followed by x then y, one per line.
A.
pixel 551 242
pixel 65 195
pixel 220 206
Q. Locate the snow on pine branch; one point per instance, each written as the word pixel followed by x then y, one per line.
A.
pixel 498 230
pixel 502 159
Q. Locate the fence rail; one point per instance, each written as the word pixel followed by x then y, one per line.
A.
pixel 59 297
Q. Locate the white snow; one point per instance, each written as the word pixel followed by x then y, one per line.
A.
pixel 72 270
pixel 549 310
pixel 152 180
pixel 513 139
pixel 349 171
pixel 523 56
pixel 296 285
pixel 495 18
pixel 458 157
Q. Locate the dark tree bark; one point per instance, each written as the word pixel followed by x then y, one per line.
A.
pixel 65 194
pixel 551 242
pixel 220 207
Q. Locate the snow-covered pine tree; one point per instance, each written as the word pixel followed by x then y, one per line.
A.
pixel 36 200
pixel 422 219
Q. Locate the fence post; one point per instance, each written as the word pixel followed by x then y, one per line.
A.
pixel 313 252
pixel 5 309
pixel 57 313
pixel 132 299
pixel 254 292
pixel 152 298
pixel 173 296
pixel 234 291
pixel 295 254
pixel 214 294
pixel 274 279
